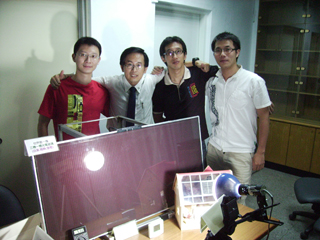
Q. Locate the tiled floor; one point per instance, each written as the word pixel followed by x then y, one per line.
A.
pixel 280 185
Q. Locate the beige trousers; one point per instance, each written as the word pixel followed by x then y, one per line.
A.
pixel 239 163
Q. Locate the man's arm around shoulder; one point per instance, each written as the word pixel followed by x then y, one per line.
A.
pixel 109 82
pixel 43 123
pixel 204 66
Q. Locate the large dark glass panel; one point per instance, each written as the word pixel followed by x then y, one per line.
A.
pixel 135 180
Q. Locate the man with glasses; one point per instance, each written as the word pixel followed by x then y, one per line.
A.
pixel 181 93
pixel 134 63
pixel 78 98
pixel 236 97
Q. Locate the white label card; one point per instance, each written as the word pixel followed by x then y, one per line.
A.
pixel 40 145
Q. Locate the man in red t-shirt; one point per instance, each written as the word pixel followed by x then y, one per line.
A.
pixel 79 98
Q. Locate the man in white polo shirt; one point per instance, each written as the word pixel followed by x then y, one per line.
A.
pixel 236 97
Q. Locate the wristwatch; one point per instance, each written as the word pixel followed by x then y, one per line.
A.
pixel 194 61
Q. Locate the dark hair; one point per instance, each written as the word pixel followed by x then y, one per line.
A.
pixel 86 41
pixel 130 50
pixel 226 36
pixel 169 40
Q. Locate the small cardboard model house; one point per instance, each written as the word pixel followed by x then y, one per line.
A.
pixel 194 195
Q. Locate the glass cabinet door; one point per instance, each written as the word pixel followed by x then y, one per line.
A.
pixel 308 105
pixel 288 56
pixel 284 12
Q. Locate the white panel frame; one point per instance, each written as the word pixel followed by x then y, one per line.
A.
pixel 205 23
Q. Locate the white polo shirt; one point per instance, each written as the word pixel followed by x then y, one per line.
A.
pixel 232 106
pixel 118 87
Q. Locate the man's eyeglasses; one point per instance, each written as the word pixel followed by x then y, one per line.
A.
pixel 171 53
pixel 86 56
pixel 226 50
pixel 131 66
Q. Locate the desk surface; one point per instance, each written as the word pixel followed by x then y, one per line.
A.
pixel 244 231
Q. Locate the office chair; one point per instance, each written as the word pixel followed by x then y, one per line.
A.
pixel 307 190
pixel 10 207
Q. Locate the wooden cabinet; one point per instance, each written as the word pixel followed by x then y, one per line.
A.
pixel 294 145
pixel 288 56
pixel 300 147
pixel 315 163
pixel 277 145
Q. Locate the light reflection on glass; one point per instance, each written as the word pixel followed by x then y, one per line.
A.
pixel 94 160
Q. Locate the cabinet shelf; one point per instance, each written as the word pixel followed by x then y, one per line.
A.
pixel 295 92
pixel 285 74
pixel 293 120
pixel 280 25
pixel 287 50
pixel 276 74
pixel 281 90
pixel 309 94
pixel 288 24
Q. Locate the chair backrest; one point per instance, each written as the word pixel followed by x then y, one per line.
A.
pixel 10 207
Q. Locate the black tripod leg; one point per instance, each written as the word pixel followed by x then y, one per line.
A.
pixel 221 235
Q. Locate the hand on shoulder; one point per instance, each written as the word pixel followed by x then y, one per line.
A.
pixel 55 81
pixel 157 70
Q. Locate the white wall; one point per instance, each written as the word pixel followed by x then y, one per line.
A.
pixel 37 37
pixel 121 24
pixel 118 25
pixel 177 23
pixel 239 18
